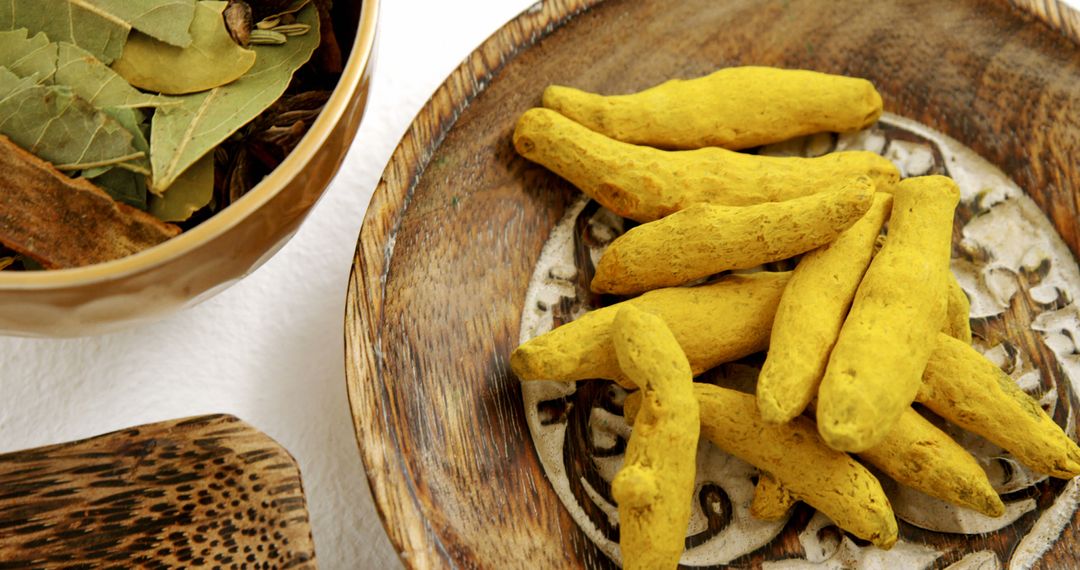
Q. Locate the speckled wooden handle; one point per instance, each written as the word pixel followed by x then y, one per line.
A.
pixel 209 491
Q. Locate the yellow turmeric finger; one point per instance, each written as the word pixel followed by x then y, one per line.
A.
pixel 915 454
pixel 705 239
pixel 655 487
pixel 734 108
pixel 958 313
pixel 771 500
pixel 876 366
pixel 828 480
pixel 919 455
pixel 962 386
pixel 646 184
pixel 715 323
pixel 810 315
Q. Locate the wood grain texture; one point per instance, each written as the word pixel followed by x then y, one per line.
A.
pixel 1056 14
pixel 458 221
pixel 204 492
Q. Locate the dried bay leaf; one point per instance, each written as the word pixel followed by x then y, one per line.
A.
pixel 61 63
pixel 182 134
pixel 122 185
pixel 101 27
pixel 191 192
pixel 74 21
pixel 62 222
pixel 55 124
pixel 213 58
pixel 164 20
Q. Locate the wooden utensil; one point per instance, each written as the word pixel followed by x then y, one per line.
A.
pixel 209 491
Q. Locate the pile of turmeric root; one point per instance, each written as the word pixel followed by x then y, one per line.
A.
pixel 860 330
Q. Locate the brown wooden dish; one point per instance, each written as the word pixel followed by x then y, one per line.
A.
pixel 456 227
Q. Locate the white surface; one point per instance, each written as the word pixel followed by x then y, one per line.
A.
pixel 270 349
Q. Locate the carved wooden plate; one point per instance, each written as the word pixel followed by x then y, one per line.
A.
pixel 440 291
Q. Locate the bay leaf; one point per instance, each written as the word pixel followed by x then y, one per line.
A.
pixel 65 222
pixel 213 58
pixel 25 55
pixel 61 63
pixel 55 124
pixel 191 192
pixel 164 20
pixel 122 185
pixel 182 134
pixel 74 21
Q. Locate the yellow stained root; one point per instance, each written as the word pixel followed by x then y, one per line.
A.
pixel 876 365
pixel 828 480
pixel 706 239
pixel 734 108
pixel 810 315
pixel 919 455
pixel 962 386
pixel 654 489
pixel 645 184
pixel 771 500
pixel 958 313
pixel 713 323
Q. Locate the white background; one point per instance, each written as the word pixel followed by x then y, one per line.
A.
pixel 270 349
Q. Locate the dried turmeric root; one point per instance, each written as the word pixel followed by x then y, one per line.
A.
pixel 915 454
pixel 958 313
pixel 655 487
pixel 962 386
pixel 645 184
pixel 828 480
pixel 876 367
pixel 715 323
pixel 810 315
pixel 734 108
pixel 771 500
pixel 919 455
pixel 706 239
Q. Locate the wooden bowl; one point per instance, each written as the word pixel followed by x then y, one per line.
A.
pixel 218 252
pixel 457 224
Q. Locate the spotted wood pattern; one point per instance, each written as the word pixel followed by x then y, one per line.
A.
pixel 204 492
pixel 457 223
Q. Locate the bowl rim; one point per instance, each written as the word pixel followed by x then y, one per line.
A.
pixel 220 223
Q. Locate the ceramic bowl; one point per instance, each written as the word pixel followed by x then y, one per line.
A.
pixel 218 252
pixel 440 291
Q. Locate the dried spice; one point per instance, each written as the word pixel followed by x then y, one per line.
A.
pixel 106 92
pixel 64 222
pixel 213 59
pixel 182 133
pixel 239 21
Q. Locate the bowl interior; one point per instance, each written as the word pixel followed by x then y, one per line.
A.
pixel 457 224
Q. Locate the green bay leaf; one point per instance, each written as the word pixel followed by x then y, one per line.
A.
pixel 164 20
pixel 123 185
pixel 74 21
pixel 61 63
pixel 58 126
pixel 191 192
pixel 212 59
pixel 182 134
